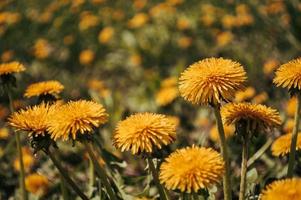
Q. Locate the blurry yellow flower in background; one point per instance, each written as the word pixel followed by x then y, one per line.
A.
pixel 288 75
pixel 139 4
pixel 184 42
pixel 289 125
pixel 228 21
pixel 228 129
pixel 247 94
pixel 68 39
pixel 224 38
pixel 285 189
pixel 44 88
pixel 86 57
pixel 9 17
pixel 169 82
pixel 211 80
pixel 270 65
pixel 183 23
pixel 88 20
pixel 260 98
pixel 166 95
pixel 97 2
pixel 41 48
pixel 135 59
pixel 290 107
pixel 7 56
pixel 28 160
pixel 76 118
pixel 36 184
pixel 105 35
pixel 138 20
pixel 259 114
pixel 99 87
pixel 281 146
pixel 3 112
pixel 11 67
pixel 4 133
pixel 32 119
pixel 162 10
pixel 191 169
pixel 143 132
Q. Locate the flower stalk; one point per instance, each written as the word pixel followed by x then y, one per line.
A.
pixel 19 150
pixel 100 171
pixel 163 194
pixel 224 151
pixel 65 175
pixel 292 153
pixel 244 161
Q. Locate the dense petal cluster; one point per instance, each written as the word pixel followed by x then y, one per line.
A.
pixel 281 146
pixel 143 132
pixel 260 114
pixel 287 189
pixel 33 119
pixel 211 80
pixel 76 117
pixel 11 67
pixel 288 75
pixel 44 88
pixel 192 168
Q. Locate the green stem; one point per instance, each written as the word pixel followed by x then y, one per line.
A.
pixel 224 151
pixel 66 176
pixel 244 167
pixel 20 154
pixel 91 175
pixel 260 152
pixel 64 188
pixel 292 154
pixel 100 172
pixel 154 172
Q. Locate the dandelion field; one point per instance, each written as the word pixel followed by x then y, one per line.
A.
pixel 141 99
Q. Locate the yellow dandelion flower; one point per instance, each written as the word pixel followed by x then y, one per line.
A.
pixel 138 20
pixel 270 65
pixel 32 119
pixel 42 48
pixel 288 75
pixel 290 107
pixel 166 96
pixel 286 189
pixel 229 131
pixel 28 160
pixel 76 117
pixel 247 94
pixel 143 132
pixel 36 184
pixel 11 67
pixel 183 23
pixel 86 57
pixel 105 35
pixel 281 146
pixel 169 82
pixel 260 98
pixel 184 42
pixel 211 80
pixel 44 88
pixel 289 125
pixel 257 113
pixel 192 168
pixel 7 55
pixel 224 38
pixel 4 133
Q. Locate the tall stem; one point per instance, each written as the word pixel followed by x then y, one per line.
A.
pixel 100 171
pixel 64 188
pixel 224 151
pixel 66 176
pixel 244 166
pixel 20 154
pixel 292 154
pixel 154 172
